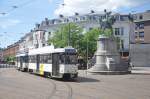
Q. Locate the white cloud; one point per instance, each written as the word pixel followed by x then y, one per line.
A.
pixel 5 23
pixel 85 6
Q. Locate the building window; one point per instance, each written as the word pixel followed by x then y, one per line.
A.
pixel 76 19
pixel 141 17
pixel 94 17
pixel 49 33
pixel 136 26
pixel 123 18
pixel 90 28
pixel 117 18
pixel 134 17
pixel 122 44
pixel 122 30
pixel 43 45
pixel 141 26
pixel 83 18
pixel 141 34
pixel 117 31
pixel 136 35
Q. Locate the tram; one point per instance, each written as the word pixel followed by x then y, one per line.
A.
pixel 51 62
pixel 22 61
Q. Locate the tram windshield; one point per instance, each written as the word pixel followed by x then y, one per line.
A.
pixel 69 58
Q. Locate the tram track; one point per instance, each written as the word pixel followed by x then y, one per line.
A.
pixel 53 90
pixel 55 86
pixel 70 92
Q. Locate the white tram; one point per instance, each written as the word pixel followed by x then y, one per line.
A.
pixel 22 61
pixel 47 61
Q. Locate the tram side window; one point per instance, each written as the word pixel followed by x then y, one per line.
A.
pixel 62 58
pixel 23 59
pixel 41 58
pixel 32 59
pixel 29 59
pixel 49 58
pixel 26 59
pixel 17 59
pixel 44 58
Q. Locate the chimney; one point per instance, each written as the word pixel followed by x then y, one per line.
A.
pixel 76 13
pixel 92 11
pixel 61 16
pixel 37 25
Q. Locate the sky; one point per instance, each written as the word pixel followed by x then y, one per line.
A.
pixel 18 17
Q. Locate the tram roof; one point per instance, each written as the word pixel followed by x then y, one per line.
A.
pixel 42 50
pixel 47 49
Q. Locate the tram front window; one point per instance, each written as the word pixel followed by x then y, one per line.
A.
pixel 69 59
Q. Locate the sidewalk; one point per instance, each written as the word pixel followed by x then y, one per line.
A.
pixel 140 70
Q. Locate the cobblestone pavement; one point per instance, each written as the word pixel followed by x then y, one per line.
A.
pixel 20 85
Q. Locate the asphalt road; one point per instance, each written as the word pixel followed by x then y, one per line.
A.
pixel 20 85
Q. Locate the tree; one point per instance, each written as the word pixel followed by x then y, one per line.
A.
pixel 90 40
pixel 70 33
pixel 10 59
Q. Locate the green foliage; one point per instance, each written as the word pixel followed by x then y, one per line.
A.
pixel 89 41
pixel 60 38
pixel 10 59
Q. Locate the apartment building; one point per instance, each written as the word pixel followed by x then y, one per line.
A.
pixel 1 55
pixel 142 27
pixel 11 50
pixel 123 27
pixel 26 43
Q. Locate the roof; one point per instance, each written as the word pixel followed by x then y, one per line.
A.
pixel 43 50
pixel 51 49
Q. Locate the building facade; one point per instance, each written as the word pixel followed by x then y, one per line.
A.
pixel 1 55
pixel 26 43
pixel 124 29
pixel 11 50
pixel 142 27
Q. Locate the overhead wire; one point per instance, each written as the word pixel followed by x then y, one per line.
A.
pixel 15 7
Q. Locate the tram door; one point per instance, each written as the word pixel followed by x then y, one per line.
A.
pixel 37 63
pixel 55 64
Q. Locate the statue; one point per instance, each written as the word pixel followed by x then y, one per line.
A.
pixel 107 21
pixel 108 59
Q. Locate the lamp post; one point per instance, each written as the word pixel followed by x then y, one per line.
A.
pixel 69 34
pixel 61 15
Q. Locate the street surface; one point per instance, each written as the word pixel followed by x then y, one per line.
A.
pixel 20 85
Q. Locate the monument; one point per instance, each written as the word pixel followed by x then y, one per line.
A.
pixel 108 59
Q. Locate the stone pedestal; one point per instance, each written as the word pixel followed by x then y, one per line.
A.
pixel 107 57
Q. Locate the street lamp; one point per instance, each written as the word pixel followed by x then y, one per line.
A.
pixel 61 15
pixel 69 34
